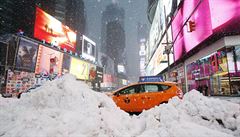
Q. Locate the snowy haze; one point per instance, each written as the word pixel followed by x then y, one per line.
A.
pixel 69 108
pixel 135 12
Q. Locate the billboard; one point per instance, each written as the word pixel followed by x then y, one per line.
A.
pixel 185 40
pixel 79 68
pixel 226 14
pixel 49 29
pixel 157 28
pixel 26 55
pixel 209 19
pixel 88 49
pixel 19 81
pixel 99 76
pixel 49 61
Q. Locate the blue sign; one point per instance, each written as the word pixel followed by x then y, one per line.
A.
pixel 151 79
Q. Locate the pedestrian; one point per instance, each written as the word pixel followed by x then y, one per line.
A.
pixel 205 90
pixel 199 88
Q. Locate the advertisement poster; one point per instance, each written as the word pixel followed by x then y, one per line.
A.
pixel 26 55
pixel 49 61
pixel 99 76
pixel 92 72
pixel 51 30
pixel 79 68
pixel 19 81
pixel 66 63
pixel 88 49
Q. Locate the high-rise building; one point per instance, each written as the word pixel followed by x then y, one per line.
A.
pixel 113 34
pixel 69 12
pixel 142 39
pixel 17 16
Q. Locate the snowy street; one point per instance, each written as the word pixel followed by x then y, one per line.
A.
pixel 66 107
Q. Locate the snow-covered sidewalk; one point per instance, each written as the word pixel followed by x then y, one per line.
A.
pixel 66 107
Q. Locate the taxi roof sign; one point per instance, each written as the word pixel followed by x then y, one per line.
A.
pixel 151 79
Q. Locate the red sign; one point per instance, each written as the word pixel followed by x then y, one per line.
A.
pixel 49 29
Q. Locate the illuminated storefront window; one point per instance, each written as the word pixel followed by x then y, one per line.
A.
pixel 216 74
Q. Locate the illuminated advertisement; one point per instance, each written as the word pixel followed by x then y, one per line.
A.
pixel 49 29
pixel 203 22
pixel 26 55
pixel 19 81
pixel 108 80
pixel 185 40
pixel 225 14
pixel 92 72
pixel 157 28
pixel 79 68
pixel 49 61
pixel 88 48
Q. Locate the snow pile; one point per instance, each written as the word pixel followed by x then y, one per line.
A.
pixel 195 115
pixel 66 107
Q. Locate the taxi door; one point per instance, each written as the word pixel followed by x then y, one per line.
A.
pixel 127 99
pixel 151 96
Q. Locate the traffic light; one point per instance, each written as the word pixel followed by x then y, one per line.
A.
pixel 191 26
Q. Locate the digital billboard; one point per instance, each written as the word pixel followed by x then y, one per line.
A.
pixel 88 48
pixel 157 28
pixel 51 30
pixel 49 61
pixel 26 55
pixel 79 68
pixel 227 13
pixel 208 18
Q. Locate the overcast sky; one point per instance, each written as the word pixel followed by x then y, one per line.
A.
pixel 135 11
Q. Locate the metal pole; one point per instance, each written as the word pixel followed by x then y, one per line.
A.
pixel 167 50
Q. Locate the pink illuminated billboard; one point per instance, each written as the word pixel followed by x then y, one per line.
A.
pixel 209 16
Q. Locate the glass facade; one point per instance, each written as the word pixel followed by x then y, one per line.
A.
pixel 217 73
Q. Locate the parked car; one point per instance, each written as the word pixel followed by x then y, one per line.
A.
pixel 145 95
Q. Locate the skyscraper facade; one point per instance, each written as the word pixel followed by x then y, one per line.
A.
pixel 17 16
pixel 113 35
pixel 142 39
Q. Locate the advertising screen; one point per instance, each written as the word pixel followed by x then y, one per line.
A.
pixel 227 13
pixel 157 28
pixel 53 31
pixel 208 18
pixel 79 68
pixel 49 61
pixel 185 40
pixel 26 55
pixel 88 48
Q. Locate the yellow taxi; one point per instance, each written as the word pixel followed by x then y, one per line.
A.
pixel 145 95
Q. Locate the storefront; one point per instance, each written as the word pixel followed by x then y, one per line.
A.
pixel 217 73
